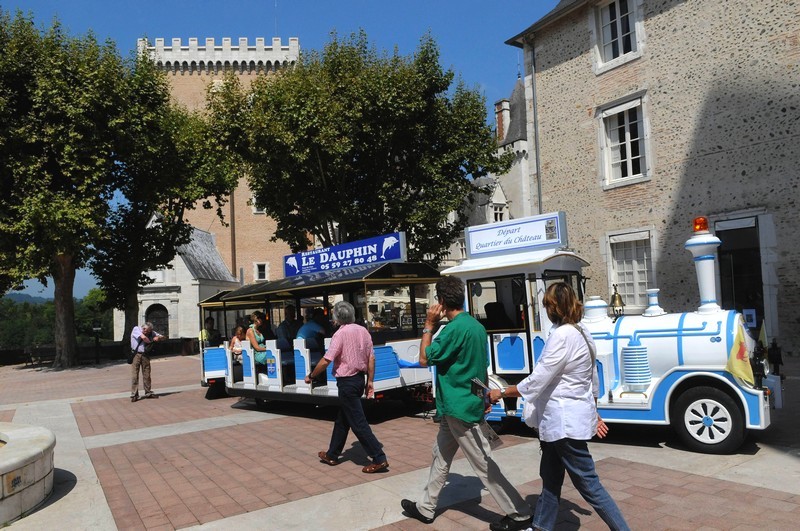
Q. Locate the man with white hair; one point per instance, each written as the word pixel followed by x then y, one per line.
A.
pixel 354 368
pixel 142 339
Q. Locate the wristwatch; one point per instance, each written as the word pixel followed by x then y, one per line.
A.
pixel 427 331
pixel 503 392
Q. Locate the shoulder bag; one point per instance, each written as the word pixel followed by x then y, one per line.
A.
pixel 132 353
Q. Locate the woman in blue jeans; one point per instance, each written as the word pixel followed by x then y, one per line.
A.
pixel 563 389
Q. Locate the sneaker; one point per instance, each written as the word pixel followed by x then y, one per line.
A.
pixel 411 510
pixel 509 524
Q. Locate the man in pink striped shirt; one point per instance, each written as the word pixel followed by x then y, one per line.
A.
pixel 353 359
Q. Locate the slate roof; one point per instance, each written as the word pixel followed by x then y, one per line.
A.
pixel 517 128
pixel 202 258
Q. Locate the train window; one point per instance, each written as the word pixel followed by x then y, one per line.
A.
pixel 573 278
pixel 393 310
pixel 498 303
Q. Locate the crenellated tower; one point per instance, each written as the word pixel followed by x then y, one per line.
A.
pixel 212 58
pixel 192 68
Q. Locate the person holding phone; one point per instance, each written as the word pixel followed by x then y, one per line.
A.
pixel 459 355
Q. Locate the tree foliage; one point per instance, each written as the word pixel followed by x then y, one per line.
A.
pixel 62 100
pixel 92 152
pixel 168 160
pixel 368 141
pixel 26 324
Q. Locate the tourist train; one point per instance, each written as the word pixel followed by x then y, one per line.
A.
pixel 657 368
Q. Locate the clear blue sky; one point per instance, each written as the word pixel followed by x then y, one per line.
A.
pixel 471 33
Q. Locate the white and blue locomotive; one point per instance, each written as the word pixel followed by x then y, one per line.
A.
pixel 656 368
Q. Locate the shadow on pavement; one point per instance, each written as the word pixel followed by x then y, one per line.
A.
pixel 63 483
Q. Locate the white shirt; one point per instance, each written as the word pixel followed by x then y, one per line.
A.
pixel 563 387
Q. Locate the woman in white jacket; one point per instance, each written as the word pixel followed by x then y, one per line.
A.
pixel 563 389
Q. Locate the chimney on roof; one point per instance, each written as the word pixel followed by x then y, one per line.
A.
pixel 502 118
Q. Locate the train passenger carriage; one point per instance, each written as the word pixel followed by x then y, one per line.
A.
pixel 390 296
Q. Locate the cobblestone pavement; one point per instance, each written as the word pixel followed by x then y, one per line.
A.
pixel 184 461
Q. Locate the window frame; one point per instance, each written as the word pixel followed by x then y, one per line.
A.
pixel 499 210
pixel 256 210
pixel 599 64
pixel 605 113
pixel 255 271
pixel 628 235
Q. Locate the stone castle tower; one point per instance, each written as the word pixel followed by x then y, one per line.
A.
pixel 191 67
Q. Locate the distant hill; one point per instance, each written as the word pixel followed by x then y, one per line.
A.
pixel 24 297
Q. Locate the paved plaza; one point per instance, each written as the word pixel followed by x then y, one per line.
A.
pixel 186 462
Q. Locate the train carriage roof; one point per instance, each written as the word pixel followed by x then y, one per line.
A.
pixel 336 281
pixel 551 257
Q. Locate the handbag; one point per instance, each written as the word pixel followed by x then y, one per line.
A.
pixel 132 353
pixel 529 413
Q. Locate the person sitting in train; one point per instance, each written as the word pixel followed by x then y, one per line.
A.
pixel 288 328
pixel 258 333
pixel 496 317
pixel 236 343
pixel 314 332
pixel 209 336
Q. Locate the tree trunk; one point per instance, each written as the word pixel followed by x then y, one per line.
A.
pixel 131 318
pixel 64 332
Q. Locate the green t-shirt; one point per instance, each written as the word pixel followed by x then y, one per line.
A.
pixel 459 354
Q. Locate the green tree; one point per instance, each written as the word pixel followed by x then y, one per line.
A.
pixel 59 165
pixel 169 159
pixel 91 311
pixel 371 143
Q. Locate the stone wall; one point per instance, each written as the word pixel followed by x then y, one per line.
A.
pixel 720 88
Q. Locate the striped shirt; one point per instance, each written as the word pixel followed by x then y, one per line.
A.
pixel 351 348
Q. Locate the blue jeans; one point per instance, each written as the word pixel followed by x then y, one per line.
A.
pixel 351 417
pixel 573 457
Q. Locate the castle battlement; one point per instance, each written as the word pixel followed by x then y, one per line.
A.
pixel 211 58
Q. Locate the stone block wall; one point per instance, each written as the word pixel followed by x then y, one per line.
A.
pixel 719 82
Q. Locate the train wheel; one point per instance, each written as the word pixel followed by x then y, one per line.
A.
pixel 708 421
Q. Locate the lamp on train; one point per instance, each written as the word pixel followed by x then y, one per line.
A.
pixel 617 304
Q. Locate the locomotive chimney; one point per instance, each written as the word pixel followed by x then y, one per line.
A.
pixel 703 246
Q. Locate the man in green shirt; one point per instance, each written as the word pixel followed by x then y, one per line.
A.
pixel 459 354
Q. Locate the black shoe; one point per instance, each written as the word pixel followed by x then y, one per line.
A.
pixel 410 508
pixel 134 398
pixel 509 524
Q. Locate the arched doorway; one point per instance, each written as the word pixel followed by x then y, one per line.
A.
pixel 159 316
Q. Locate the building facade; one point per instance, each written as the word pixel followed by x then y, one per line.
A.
pixel 646 114
pixel 197 272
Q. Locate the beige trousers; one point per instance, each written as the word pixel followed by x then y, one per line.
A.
pixel 455 434
pixel 140 360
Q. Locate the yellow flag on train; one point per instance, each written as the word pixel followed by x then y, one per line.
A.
pixel 739 359
pixel 762 336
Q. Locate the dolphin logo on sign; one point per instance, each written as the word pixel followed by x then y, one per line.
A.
pixel 292 261
pixel 388 243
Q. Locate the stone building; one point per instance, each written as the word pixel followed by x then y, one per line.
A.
pixel 244 244
pixel 648 113
pixel 170 302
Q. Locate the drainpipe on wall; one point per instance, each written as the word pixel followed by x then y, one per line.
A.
pixel 233 230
